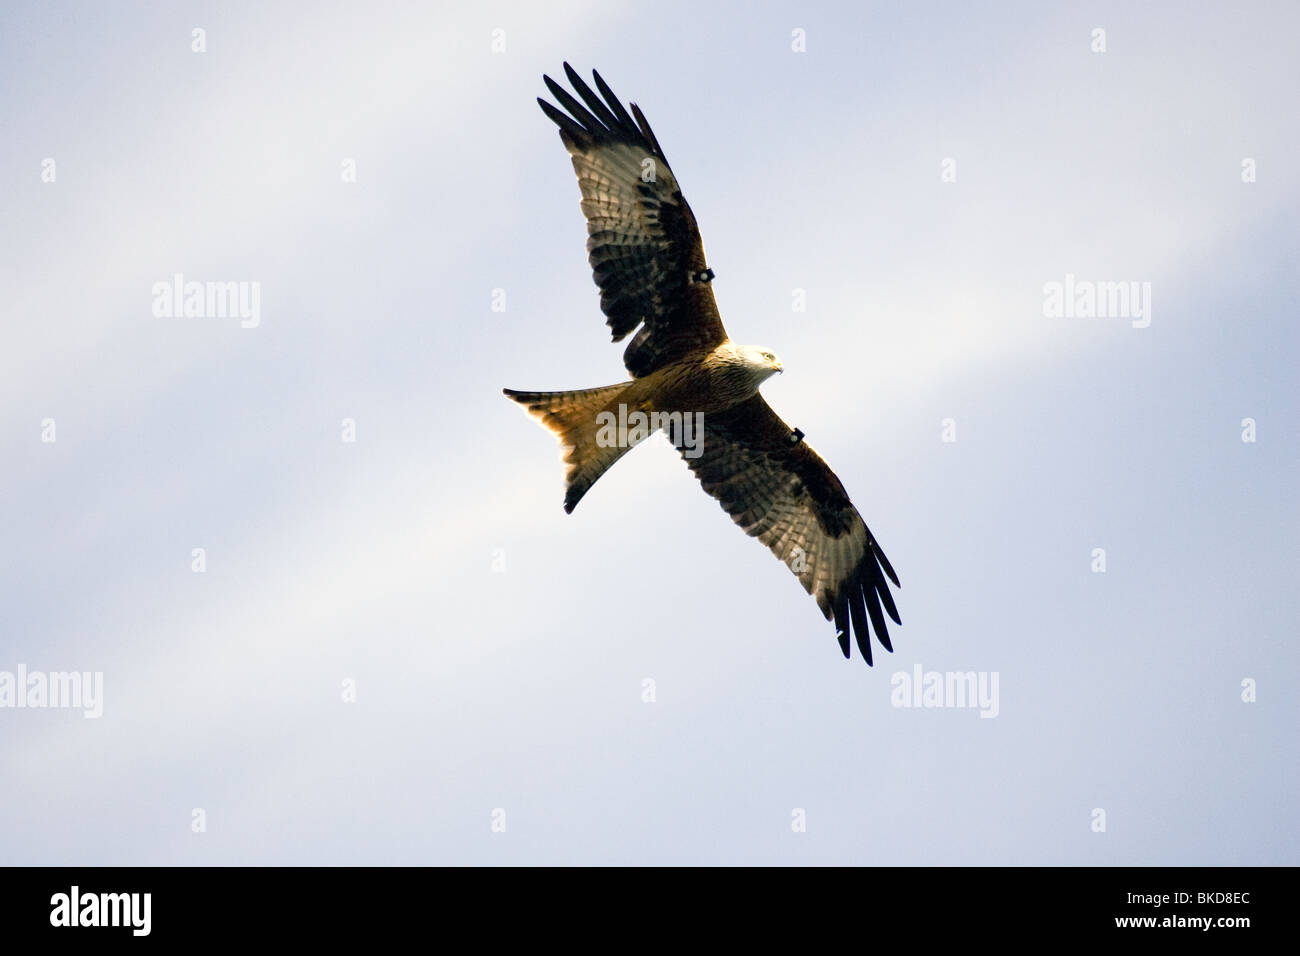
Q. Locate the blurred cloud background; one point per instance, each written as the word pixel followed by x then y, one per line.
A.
pixel 498 647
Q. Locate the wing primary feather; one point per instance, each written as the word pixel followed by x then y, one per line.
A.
pixel 860 621
pixel 614 104
pixel 590 98
pixel 877 619
pixel 886 598
pixel 579 112
pixel 884 561
pixel 883 637
pixel 579 135
pixel 841 607
pixel 647 132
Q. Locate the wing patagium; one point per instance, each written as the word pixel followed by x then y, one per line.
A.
pixel 643 243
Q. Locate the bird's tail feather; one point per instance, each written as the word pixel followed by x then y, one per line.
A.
pixel 590 445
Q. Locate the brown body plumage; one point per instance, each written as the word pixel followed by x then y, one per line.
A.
pixel 707 381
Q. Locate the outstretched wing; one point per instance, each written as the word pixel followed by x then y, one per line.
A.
pixel 780 491
pixel 643 243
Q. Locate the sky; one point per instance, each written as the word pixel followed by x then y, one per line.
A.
pixel 317 567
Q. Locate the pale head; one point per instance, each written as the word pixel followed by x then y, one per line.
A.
pixel 761 362
pixel 736 371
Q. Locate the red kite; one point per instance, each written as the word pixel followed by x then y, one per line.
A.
pixel 690 380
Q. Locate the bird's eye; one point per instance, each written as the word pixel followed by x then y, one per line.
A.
pixel 768 356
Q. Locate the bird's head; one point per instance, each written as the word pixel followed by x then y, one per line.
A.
pixel 763 363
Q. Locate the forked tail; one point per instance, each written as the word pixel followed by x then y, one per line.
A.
pixel 575 418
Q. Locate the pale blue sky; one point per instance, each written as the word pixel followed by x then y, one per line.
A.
pixel 521 689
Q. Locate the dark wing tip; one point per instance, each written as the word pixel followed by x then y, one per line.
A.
pixel 647 132
pixel 841 610
pixel 594 103
pixel 568 127
pixel 859 609
pixel 615 104
pixel 884 561
pixel 887 599
pixel 601 119
pixel 858 613
pixel 581 115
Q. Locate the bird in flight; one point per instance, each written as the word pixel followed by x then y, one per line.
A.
pixel 690 380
